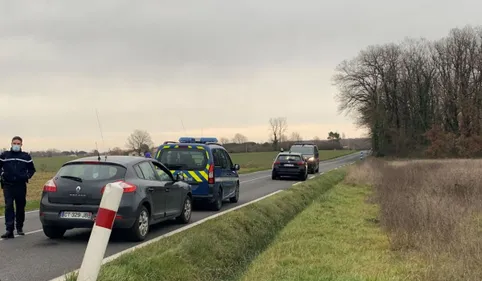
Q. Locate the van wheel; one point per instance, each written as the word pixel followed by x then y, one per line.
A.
pixel 185 216
pixel 138 231
pixel 235 198
pixel 218 201
pixel 53 232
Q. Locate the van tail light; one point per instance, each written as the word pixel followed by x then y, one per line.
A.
pixel 211 174
pixel 128 187
pixel 50 186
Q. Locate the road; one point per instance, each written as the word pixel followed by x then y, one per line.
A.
pixel 35 257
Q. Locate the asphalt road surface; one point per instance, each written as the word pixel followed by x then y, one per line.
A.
pixel 35 257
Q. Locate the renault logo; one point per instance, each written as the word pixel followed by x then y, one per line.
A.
pixel 77 189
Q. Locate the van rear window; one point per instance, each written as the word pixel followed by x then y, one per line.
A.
pixel 92 172
pixel 183 158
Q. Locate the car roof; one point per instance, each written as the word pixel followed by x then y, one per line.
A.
pixel 304 144
pixel 205 145
pixel 290 153
pixel 117 159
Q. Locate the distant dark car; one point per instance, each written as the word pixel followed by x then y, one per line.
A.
pixel 151 195
pixel 290 164
pixel 310 153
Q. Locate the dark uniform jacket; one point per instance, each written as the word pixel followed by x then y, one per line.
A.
pixel 16 167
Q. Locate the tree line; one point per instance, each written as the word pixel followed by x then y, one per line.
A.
pixel 418 96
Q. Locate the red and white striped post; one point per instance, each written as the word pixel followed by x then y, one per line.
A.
pixel 99 238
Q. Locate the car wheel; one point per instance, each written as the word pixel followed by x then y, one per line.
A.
pixel 317 169
pixel 274 176
pixel 218 201
pixel 304 177
pixel 138 231
pixel 185 216
pixel 235 198
pixel 53 232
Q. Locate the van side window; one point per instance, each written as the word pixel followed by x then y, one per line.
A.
pixel 219 159
pixel 229 162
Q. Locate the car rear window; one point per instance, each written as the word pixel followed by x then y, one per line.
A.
pixel 93 172
pixel 289 158
pixel 183 158
pixel 303 149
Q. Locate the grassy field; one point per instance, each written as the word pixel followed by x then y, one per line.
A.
pixel 239 237
pixel 337 238
pixel 249 162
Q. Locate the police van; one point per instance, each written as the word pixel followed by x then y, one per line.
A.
pixel 206 166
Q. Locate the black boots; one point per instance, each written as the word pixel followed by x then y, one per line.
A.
pixel 7 235
pixel 20 231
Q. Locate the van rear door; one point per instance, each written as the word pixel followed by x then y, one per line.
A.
pixel 189 160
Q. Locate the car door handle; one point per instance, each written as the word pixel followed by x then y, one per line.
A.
pixel 150 189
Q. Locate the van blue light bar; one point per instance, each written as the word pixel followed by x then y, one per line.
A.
pixel 187 140
pixel 205 140
pixel 197 140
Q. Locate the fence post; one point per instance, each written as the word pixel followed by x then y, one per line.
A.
pixel 99 238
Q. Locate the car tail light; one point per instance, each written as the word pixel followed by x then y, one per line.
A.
pixel 275 163
pixel 211 174
pixel 50 186
pixel 301 163
pixel 128 187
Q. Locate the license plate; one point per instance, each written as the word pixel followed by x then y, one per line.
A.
pixel 76 215
pixel 289 165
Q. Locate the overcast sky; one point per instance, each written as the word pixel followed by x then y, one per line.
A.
pixel 221 67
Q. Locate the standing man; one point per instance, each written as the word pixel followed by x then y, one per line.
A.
pixel 17 168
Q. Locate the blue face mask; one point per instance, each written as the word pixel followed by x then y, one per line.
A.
pixel 16 147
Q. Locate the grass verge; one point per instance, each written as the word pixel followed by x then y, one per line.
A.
pixel 337 238
pixel 222 248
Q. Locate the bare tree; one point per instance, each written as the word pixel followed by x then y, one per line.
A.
pixel 224 140
pixel 139 141
pixel 240 138
pixel 278 127
pixel 295 136
pixel 418 93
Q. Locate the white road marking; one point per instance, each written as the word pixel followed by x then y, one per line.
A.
pixel 26 233
pixel 312 177
pixel 297 183
pixel 117 255
pixel 255 179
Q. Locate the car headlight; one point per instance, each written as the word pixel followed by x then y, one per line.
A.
pixel 311 159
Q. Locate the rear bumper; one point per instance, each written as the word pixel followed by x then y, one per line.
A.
pixel 49 214
pixel 289 172
pixel 207 195
pixel 312 165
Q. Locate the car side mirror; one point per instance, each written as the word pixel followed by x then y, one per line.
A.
pixel 237 167
pixel 179 177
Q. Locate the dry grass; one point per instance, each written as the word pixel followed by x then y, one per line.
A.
pixel 431 209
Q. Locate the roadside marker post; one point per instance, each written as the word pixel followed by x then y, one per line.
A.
pixel 100 235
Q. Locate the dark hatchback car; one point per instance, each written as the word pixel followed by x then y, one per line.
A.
pixel 290 164
pixel 310 153
pixel 151 195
